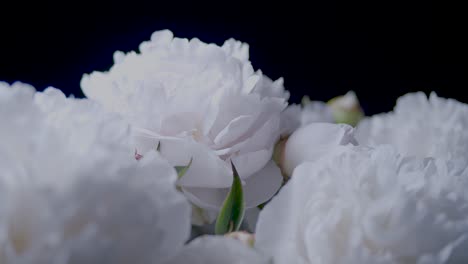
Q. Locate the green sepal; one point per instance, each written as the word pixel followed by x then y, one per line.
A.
pixel 232 211
pixel 158 147
pixel 181 170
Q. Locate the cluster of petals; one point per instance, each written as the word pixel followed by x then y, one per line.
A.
pixel 420 126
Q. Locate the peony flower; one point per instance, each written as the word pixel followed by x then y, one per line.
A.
pixel 70 190
pixel 420 126
pixel 369 206
pixel 312 143
pixel 217 249
pixel 198 101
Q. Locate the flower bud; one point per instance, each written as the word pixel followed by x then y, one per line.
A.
pixel 311 143
pixel 346 109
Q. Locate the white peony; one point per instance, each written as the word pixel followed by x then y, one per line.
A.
pixel 369 206
pixel 71 192
pixel 420 126
pixel 216 250
pixel 198 101
pixel 312 143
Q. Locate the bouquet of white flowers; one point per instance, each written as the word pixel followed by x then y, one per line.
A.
pixel 183 153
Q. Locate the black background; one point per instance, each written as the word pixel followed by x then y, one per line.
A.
pixel 379 49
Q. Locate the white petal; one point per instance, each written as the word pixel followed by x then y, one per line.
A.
pixel 178 123
pixel 206 170
pixel 263 137
pixel 237 49
pixel 233 106
pixel 258 189
pixel 290 119
pixel 234 130
pixel 261 186
pixel 316 111
pixel 206 198
pixel 251 218
pixel 314 141
pixel 249 163
pixel 274 229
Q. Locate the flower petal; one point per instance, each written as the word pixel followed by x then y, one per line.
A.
pixel 206 198
pixel 251 162
pixel 234 130
pixel 314 141
pixel 207 169
pixel 261 186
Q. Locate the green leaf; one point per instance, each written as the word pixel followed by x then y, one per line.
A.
pixel 181 170
pixel 232 211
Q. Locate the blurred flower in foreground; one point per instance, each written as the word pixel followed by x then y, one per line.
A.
pixel 70 191
pixel 216 250
pixel 420 126
pixel 369 206
pixel 203 102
